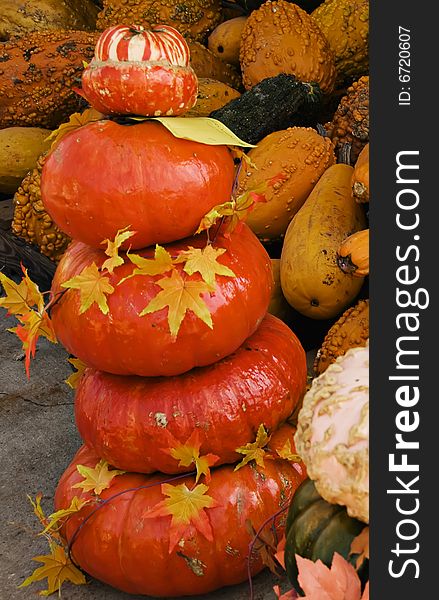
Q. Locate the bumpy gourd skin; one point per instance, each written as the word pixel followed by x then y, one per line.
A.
pixel 332 435
pixel 351 120
pixel 37 76
pixel 192 18
pixel 345 24
pixel 44 15
pixel 280 37
pixel 350 331
pixel 32 222
pixel 207 65
pixel 300 155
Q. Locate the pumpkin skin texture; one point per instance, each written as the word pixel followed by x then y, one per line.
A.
pixel 316 529
pixel 149 176
pixel 350 331
pixel 32 222
pixel 122 547
pixel 345 24
pixel 280 37
pixel 311 279
pixel 39 72
pixel 301 155
pixel 123 343
pixel 360 176
pixel 139 71
pixel 131 421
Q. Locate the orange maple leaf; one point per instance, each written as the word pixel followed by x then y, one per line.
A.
pixel 32 326
pixel 96 479
pixel 186 507
pixel 254 450
pixel 360 546
pixel 189 453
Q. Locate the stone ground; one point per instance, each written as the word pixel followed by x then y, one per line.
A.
pixel 38 438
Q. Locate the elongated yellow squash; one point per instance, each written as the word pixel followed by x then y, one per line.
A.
pixel 310 277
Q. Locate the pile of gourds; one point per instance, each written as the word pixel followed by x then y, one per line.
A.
pixel 173 390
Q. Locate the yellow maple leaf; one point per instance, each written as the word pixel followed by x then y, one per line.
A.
pixel 160 264
pixel 180 295
pixel 254 450
pixel 189 453
pixel 75 121
pixel 54 519
pixel 205 262
pixel 20 297
pixel 57 568
pixel 286 453
pixel 96 479
pixel 186 507
pixel 112 249
pixel 73 380
pixel 93 286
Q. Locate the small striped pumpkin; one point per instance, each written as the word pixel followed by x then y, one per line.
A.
pixel 142 72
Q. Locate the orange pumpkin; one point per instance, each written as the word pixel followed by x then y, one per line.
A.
pixel 353 254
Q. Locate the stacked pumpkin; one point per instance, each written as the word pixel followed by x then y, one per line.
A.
pixel 184 369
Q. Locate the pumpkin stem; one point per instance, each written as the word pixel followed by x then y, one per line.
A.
pixel 345 264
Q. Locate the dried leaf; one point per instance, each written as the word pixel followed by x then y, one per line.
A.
pixel 54 519
pixel 189 453
pixel 96 479
pixel 289 595
pixel 205 262
pixel 75 121
pixel 93 286
pixel 263 544
pixel 160 264
pixel 112 250
pixel 187 508
pixel 74 378
pixel 318 582
pixel 180 295
pixel 287 454
pixel 360 546
pixel 32 326
pixel 22 297
pixel 57 568
pixel 254 450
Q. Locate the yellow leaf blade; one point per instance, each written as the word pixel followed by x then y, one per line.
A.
pixel 160 264
pixel 57 568
pixel 189 453
pixel 54 519
pixel 254 450
pixel 112 249
pixel 205 262
pixel 96 479
pixel 73 380
pixel 94 287
pixel 180 295
pixel 20 297
pixel 76 120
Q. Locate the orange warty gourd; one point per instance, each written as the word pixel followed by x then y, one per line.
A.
pixel 280 37
pixel 124 343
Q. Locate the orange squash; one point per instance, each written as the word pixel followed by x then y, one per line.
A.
pixel 360 177
pixel 353 254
